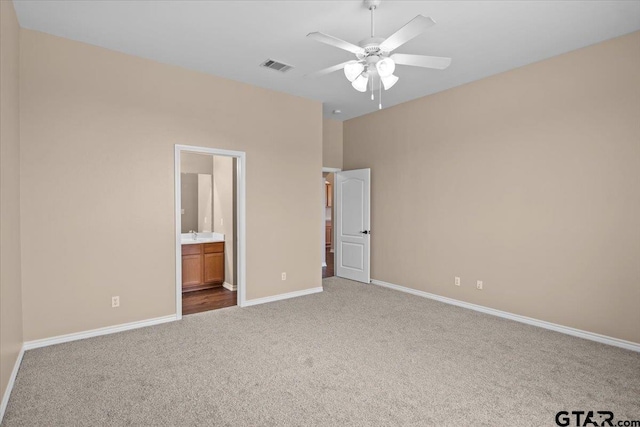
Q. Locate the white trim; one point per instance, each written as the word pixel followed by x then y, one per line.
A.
pixel 241 218
pixel 30 345
pixel 334 170
pixel 229 286
pixel 177 203
pixel 283 296
pixel 604 339
pixel 12 380
pixel 323 229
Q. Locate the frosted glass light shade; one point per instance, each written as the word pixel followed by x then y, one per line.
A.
pixel 353 70
pixel 389 81
pixel 360 84
pixel 385 67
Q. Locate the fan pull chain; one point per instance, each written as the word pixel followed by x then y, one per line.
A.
pixel 372 88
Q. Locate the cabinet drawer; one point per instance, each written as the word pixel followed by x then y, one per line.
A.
pixel 194 249
pixel 210 248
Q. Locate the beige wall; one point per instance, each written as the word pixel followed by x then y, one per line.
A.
pixel 527 180
pixel 10 272
pixel 223 185
pixel 93 121
pixel 331 143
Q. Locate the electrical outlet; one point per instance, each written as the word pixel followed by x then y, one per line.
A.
pixel 284 276
pixel 479 285
pixel 221 221
pixel 115 302
pixel 457 281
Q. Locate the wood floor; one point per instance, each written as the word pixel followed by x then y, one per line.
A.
pixel 328 270
pixel 208 299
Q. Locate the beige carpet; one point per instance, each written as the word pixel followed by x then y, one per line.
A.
pixel 354 355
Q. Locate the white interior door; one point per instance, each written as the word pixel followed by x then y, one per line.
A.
pixel 353 244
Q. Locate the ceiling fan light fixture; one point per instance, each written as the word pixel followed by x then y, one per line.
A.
pixel 389 81
pixel 385 67
pixel 353 70
pixel 375 61
pixel 360 83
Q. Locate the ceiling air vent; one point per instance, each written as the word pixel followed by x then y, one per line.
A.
pixel 275 65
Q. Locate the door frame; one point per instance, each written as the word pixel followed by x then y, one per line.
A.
pixel 323 228
pixel 240 218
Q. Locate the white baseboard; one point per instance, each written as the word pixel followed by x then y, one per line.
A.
pixel 29 345
pixel 604 339
pixel 229 286
pixel 12 380
pixel 282 296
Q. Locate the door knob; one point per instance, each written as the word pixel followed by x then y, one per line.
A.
pixel 366 232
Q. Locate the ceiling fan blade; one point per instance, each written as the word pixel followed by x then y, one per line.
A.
pixel 336 42
pixel 437 62
pixel 327 70
pixel 412 29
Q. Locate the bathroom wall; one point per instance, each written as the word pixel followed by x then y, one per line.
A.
pixel 224 212
pixel 196 163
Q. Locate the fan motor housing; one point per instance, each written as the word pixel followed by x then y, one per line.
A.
pixel 371 47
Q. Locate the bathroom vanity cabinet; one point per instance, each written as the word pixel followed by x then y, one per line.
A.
pixel 202 266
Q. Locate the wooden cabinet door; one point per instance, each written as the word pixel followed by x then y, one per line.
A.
pixel 191 270
pixel 328 236
pixel 214 267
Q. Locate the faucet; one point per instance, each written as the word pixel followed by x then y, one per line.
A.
pixel 195 234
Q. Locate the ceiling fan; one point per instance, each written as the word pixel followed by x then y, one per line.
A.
pixel 374 62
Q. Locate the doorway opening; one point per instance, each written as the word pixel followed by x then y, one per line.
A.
pixel 328 225
pixel 210 229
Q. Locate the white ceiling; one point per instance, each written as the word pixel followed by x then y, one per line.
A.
pixel 231 38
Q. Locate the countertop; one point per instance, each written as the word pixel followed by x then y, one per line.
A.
pixel 187 238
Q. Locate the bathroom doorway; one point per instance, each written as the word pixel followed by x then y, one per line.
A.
pixel 209 229
pixel 328 223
